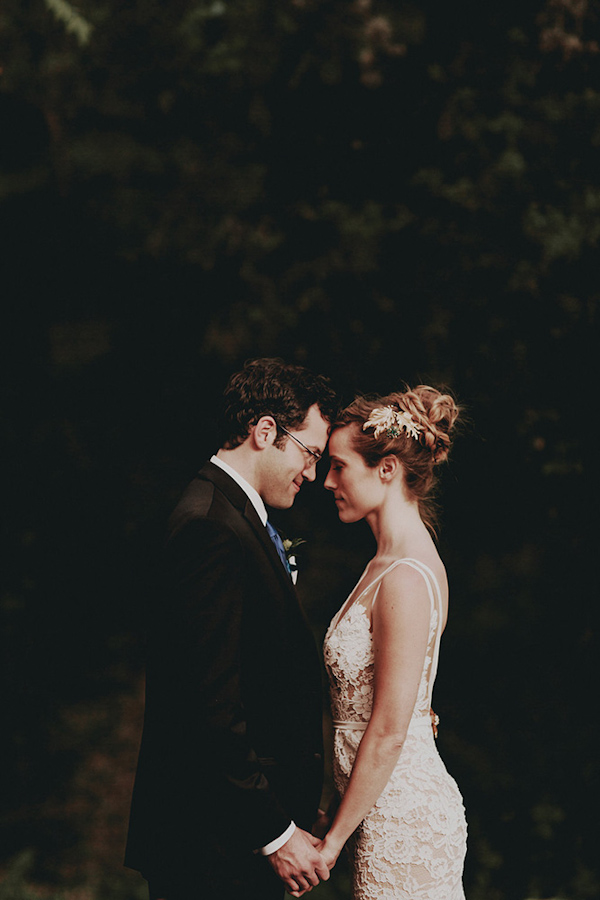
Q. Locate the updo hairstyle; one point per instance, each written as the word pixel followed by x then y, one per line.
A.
pixel 433 412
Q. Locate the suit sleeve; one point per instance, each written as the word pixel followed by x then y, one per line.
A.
pixel 210 590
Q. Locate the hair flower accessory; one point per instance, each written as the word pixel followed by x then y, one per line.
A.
pixel 393 422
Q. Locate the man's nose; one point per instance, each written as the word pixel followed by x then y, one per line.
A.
pixel 309 472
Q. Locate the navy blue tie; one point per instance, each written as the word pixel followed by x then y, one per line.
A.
pixel 276 538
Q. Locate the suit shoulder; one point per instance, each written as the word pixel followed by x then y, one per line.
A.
pixel 205 508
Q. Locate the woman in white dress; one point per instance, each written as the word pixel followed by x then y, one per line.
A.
pixel 400 811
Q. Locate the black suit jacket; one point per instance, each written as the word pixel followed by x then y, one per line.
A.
pixel 232 742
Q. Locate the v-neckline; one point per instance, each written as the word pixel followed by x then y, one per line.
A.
pixel 352 601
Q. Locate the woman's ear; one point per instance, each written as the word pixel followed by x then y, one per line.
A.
pixel 388 467
pixel 263 433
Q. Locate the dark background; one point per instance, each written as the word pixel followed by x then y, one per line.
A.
pixel 386 192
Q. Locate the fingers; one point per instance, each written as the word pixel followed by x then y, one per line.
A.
pixel 303 887
pixel 322 871
pixel 299 863
pixel 298 891
pixel 322 865
pixel 306 884
pixel 301 884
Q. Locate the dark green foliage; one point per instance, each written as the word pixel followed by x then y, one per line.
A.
pixel 385 192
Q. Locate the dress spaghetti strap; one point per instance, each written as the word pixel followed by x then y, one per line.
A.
pixel 427 573
pixel 352 601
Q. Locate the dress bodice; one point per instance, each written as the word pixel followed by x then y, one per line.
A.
pixel 348 651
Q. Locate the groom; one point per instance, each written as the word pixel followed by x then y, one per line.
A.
pixel 230 767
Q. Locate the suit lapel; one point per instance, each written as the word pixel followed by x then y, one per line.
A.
pixel 238 498
pixel 262 534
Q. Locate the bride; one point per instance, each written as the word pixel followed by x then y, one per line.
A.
pixel 400 811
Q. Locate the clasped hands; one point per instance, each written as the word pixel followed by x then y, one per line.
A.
pixel 300 863
pixel 306 859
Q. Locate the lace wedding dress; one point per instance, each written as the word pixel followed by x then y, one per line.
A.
pixel 412 843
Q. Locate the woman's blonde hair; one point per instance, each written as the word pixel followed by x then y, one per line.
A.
pixel 420 445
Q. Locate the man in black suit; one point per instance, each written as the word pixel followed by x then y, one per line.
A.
pixel 230 768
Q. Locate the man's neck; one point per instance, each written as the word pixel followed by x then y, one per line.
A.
pixel 240 460
pixel 244 483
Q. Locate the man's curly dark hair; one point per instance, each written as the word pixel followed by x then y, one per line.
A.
pixel 272 387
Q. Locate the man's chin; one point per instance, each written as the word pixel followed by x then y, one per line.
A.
pixel 294 491
pixel 280 502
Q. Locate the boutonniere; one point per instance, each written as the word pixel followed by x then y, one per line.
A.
pixel 289 547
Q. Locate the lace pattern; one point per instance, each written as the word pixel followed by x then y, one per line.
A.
pixel 411 845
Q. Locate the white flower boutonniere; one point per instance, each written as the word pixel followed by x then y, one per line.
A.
pixel 290 547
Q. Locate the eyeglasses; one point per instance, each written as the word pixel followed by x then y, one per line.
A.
pixel 315 456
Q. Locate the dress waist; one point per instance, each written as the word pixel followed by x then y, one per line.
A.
pixel 419 722
pixel 349 726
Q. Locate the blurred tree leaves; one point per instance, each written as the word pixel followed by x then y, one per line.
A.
pixel 383 191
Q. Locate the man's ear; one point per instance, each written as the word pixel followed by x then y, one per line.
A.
pixel 263 434
pixel 388 467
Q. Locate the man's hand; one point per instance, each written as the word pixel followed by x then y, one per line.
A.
pixel 298 863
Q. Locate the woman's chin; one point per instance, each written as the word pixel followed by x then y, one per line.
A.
pixel 347 516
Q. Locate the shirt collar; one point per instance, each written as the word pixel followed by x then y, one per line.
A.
pixel 252 493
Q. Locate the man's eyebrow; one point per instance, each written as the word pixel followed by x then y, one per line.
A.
pixel 315 449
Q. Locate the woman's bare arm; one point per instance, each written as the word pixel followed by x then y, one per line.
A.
pixel 400 633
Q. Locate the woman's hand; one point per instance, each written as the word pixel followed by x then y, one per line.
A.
pixel 330 851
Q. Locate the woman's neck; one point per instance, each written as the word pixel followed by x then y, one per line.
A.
pixel 397 526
